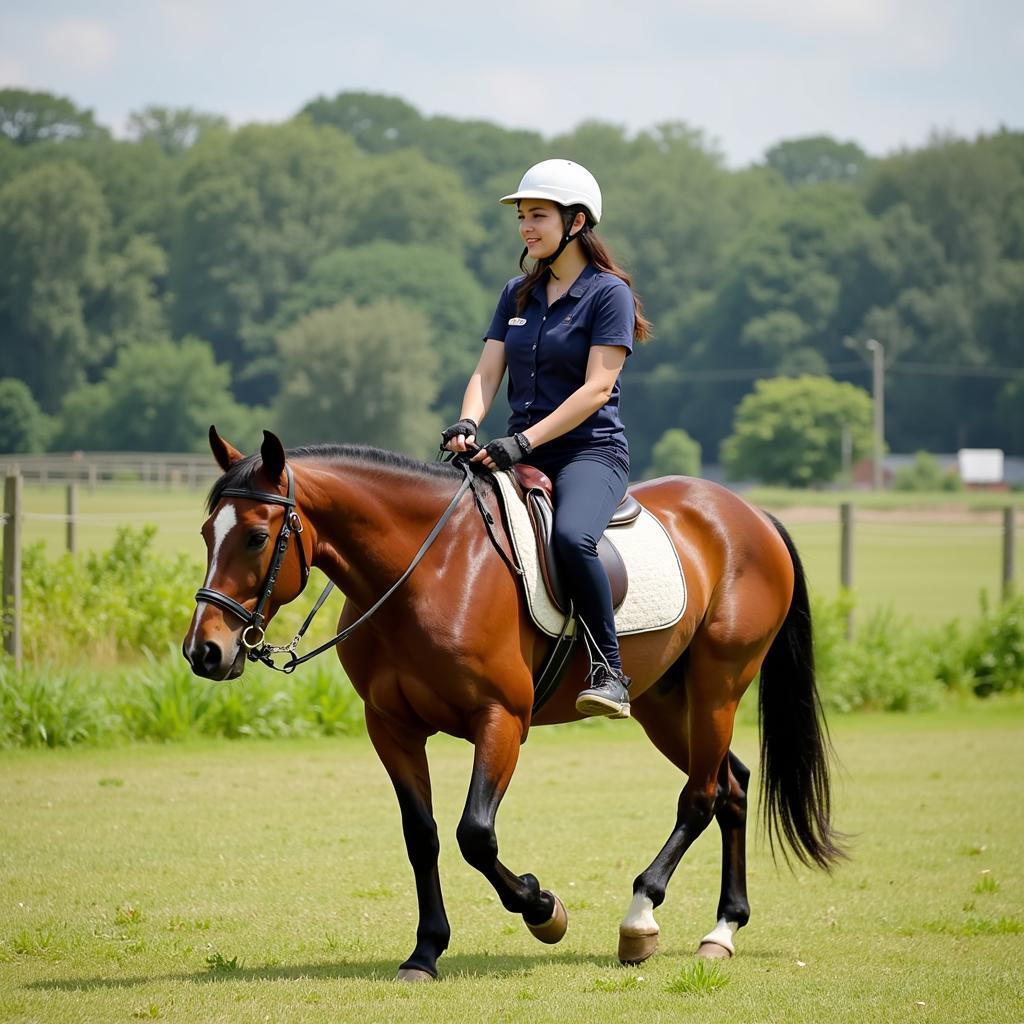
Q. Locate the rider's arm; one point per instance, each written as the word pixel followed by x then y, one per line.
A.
pixel 482 388
pixel 603 366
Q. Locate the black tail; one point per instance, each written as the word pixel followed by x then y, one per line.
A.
pixel 795 791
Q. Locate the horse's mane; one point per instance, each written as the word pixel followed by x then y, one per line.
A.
pixel 243 472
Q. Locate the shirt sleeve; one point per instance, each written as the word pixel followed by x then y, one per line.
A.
pixel 614 317
pixel 504 311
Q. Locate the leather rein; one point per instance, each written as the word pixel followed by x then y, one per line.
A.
pixel 257 649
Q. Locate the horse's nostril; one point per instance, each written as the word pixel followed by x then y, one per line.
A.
pixel 210 657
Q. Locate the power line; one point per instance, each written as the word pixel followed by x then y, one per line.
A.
pixel 676 374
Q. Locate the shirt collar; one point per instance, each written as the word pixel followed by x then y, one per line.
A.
pixel 578 289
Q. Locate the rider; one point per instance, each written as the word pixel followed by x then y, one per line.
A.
pixel 564 328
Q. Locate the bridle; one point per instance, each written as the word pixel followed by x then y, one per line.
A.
pixel 255 619
pixel 256 647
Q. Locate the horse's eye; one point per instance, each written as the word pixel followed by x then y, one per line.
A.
pixel 256 540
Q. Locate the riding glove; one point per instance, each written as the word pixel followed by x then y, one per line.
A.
pixel 466 427
pixel 505 451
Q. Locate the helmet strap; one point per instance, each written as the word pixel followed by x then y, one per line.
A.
pixel 570 216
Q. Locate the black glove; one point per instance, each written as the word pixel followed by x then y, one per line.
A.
pixel 505 451
pixel 466 427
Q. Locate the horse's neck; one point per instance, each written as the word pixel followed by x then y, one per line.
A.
pixel 369 520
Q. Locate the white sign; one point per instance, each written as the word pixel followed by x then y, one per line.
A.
pixel 980 465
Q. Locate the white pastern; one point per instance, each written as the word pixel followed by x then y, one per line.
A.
pixel 722 934
pixel 226 518
pixel 639 919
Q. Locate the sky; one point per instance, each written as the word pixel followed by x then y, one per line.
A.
pixel 748 73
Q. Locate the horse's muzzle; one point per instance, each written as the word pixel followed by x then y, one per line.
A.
pixel 207 659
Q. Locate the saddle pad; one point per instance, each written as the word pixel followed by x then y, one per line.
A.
pixel 656 597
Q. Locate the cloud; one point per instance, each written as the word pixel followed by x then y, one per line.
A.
pixel 82 45
pixel 190 21
pixel 11 73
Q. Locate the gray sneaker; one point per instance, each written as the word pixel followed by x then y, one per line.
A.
pixel 608 693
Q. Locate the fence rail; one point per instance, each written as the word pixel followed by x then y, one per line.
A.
pixel 891 538
pixel 164 469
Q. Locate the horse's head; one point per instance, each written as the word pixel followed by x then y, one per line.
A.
pixel 257 558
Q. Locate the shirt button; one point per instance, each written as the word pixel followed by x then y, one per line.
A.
pixel 534 349
pixel 533 375
pixel 527 405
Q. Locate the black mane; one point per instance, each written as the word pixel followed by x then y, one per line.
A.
pixel 243 472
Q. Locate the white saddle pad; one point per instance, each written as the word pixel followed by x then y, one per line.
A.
pixel 656 597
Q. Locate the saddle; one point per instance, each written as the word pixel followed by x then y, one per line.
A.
pixel 537 492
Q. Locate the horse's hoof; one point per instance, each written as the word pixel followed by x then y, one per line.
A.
pixel 635 949
pixel 413 974
pixel 552 930
pixel 713 951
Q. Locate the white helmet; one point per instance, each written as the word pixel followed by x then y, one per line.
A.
pixel 562 182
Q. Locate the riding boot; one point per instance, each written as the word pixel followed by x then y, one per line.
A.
pixel 607 694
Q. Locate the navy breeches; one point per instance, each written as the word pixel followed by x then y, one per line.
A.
pixel 589 484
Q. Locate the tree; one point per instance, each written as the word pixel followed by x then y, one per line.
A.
pixel 788 431
pixel 52 225
pixel 436 282
pixel 158 396
pixel 23 427
pixel 817 158
pixel 360 374
pixel 675 454
pixel 379 124
pixel 257 209
pixel 29 117
pixel 173 129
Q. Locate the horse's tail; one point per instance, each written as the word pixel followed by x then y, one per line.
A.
pixel 795 789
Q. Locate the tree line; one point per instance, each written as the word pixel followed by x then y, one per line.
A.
pixel 331 276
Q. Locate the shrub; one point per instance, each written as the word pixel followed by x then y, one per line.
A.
pixel 925 474
pixel 675 454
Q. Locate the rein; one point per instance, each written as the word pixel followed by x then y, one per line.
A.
pixel 257 648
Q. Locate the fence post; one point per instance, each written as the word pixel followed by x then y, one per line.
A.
pixel 72 513
pixel 846 557
pixel 12 569
pixel 1009 550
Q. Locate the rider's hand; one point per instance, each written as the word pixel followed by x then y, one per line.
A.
pixel 459 436
pixel 501 453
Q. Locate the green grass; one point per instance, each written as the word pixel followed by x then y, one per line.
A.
pixel 267 881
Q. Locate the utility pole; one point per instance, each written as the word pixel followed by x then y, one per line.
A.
pixel 877 350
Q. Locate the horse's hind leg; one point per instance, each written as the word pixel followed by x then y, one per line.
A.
pixel 693 728
pixel 496 752
pixel 404 757
pixel 733 908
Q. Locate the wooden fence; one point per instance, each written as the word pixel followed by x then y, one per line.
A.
pixel 163 469
pixel 13 519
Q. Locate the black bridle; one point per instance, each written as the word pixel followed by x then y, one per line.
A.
pixel 257 649
pixel 255 619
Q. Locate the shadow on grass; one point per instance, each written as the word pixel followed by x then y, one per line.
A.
pixel 455 966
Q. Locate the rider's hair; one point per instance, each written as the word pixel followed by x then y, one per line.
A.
pixel 597 253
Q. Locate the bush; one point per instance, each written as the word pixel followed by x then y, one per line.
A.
pixel 23 425
pixel 925 474
pixel 675 454
pixel 992 658
pixel 162 700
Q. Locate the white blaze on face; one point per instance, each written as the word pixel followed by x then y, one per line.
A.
pixel 222 525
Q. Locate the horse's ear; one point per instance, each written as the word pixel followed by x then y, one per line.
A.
pixel 273 456
pixel 224 452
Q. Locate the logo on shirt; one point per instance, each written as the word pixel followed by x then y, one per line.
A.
pixel 517 321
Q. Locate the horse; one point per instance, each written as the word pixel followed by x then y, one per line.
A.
pixel 452 649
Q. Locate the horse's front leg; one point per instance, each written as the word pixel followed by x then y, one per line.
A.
pixel 404 756
pixel 496 742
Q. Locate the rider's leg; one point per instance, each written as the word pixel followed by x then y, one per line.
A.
pixel 588 488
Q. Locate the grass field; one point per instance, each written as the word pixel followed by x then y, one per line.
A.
pixel 267 882
pixel 926 559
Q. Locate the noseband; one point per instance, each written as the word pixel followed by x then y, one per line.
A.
pixel 254 620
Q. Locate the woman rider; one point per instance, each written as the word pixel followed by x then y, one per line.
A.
pixel 564 328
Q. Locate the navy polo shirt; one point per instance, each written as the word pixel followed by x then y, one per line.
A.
pixel 547 348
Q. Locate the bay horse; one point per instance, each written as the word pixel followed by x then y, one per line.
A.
pixel 454 651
